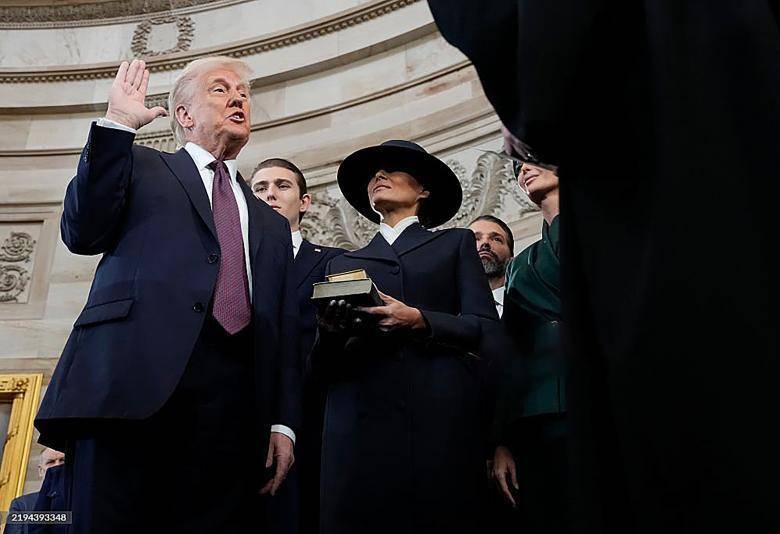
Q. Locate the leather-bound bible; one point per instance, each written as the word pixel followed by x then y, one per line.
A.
pixel 354 287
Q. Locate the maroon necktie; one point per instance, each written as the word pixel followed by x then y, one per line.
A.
pixel 231 296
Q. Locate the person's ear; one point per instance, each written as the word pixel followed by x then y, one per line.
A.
pixel 305 203
pixel 424 194
pixel 183 116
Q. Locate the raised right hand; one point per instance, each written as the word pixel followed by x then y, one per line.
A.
pixel 127 94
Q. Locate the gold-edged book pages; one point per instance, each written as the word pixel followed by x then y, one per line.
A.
pixel 357 274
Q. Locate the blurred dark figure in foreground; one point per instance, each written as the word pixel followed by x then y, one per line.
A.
pixel 664 119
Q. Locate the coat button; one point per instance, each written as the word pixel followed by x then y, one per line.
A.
pixel 396 270
pixel 213 257
pixel 400 405
pixel 198 307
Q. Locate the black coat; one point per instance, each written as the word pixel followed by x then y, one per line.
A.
pixel 402 438
pixel 148 213
pixel 665 120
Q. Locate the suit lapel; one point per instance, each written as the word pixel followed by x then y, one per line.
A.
pixel 377 249
pixel 307 259
pixel 255 219
pixel 182 166
pixel 413 237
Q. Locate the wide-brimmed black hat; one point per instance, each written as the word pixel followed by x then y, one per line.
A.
pixel 433 174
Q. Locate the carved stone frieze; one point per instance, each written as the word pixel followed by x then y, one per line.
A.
pixel 316 29
pixel 13 282
pixel 94 11
pixel 17 248
pixel 185 32
pixel 14 278
pixel 333 222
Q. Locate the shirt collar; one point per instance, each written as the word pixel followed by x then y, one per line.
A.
pixel 498 295
pixel 203 158
pixel 297 239
pixel 391 233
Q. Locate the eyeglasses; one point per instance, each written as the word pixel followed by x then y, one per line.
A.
pixel 517 163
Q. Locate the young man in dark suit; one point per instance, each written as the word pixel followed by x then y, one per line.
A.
pixel 281 184
pixel 188 334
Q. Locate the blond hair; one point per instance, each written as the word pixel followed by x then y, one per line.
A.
pixel 182 90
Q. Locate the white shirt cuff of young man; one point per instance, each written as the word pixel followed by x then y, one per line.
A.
pixel 108 123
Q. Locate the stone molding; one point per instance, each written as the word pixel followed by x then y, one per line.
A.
pixel 100 13
pixel 178 60
pixel 163 139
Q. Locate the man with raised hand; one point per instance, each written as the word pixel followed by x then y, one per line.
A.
pixel 187 340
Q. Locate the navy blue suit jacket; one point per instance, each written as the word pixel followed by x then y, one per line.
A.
pixel 308 268
pixel 148 213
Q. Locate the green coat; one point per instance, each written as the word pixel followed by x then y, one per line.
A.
pixel 535 381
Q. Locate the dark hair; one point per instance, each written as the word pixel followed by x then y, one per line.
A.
pixel 510 239
pixel 290 166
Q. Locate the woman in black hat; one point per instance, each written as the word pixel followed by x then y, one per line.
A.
pixel 403 433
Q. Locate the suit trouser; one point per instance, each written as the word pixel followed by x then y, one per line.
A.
pixel 192 467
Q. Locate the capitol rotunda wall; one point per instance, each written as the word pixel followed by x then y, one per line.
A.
pixel 329 77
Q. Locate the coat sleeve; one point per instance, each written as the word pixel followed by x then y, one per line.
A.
pixel 325 360
pixel 96 196
pixel 464 331
pixel 290 372
pixel 17 505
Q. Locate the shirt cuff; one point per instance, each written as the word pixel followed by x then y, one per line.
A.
pixel 108 123
pixel 286 430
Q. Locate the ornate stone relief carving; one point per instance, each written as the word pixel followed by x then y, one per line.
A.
pixel 185 31
pixel 333 222
pixel 28 237
pixel 264 44
pixel 16 253
pixel 61 15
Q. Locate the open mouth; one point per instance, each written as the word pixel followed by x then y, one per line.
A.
pixel 237 117
pixel 379 187
pixel 530 179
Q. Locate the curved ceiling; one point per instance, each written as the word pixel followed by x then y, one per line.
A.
pixel 19 14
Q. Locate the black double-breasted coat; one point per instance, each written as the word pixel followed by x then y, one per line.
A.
pixel 403 422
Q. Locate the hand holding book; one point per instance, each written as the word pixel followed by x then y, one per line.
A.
pixel 394 314
pixel 350 300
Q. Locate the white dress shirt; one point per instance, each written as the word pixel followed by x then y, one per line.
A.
pixel 297 239
pixel 498 299
pixel 391 233
pixel 202 158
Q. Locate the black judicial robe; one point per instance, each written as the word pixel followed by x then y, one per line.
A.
pixel 665 120
pixel 402 440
